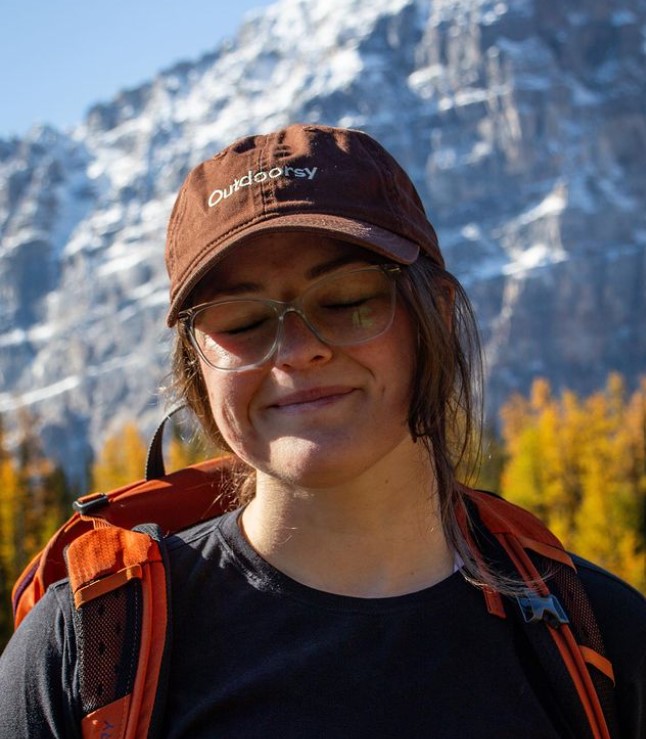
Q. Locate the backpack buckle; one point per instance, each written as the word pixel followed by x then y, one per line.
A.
pixel 90 503
pixel 542 608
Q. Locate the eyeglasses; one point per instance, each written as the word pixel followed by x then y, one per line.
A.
pixel 341 309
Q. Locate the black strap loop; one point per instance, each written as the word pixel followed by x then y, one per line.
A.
pixel 155 467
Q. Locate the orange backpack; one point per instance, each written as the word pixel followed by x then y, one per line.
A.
pixel 112 551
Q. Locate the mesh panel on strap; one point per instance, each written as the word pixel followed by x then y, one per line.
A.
pixel 566 583
pixel 109 635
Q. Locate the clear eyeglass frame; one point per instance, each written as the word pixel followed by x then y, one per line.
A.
pixel 188 317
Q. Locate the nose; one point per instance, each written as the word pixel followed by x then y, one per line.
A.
pixel 299 346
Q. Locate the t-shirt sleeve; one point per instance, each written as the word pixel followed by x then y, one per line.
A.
pixel 37 673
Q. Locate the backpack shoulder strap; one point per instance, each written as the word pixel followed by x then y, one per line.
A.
pixel 555 614
pixel 173 502
pixel 116 564
pixel 121 598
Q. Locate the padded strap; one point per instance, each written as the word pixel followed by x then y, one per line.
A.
pixel 122 622
pixel 503 534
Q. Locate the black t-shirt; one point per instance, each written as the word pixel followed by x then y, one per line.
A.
pixel 256 654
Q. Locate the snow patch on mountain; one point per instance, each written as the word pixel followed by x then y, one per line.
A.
pixel 522 124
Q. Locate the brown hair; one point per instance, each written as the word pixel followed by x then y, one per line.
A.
pixel 445 412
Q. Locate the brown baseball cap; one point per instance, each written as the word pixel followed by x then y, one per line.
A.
pixel 332 181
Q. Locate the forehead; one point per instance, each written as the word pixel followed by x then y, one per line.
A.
pixel 270 258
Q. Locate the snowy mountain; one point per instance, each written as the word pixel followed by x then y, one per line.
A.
pixel 523 124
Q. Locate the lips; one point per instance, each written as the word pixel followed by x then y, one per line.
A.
pixel 316 396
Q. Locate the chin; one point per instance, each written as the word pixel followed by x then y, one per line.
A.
pixel 309 463
pixel 304 463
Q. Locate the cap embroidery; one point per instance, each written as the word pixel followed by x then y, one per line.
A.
pixel 252 178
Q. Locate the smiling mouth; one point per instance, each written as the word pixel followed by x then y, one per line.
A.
pixel 315 398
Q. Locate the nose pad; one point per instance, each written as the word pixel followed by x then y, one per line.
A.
pixel 298 342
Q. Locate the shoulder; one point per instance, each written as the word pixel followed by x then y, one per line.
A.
pixel 53 610
pixel 205 547
pixel 38 679
pixel 210 533
pixel 620 611
pixel 600 580
pixel 619 608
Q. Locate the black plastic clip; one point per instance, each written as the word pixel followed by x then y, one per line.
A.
pixel 542 608
pixel 90 503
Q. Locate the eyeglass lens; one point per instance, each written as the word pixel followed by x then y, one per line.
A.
pixel 343 309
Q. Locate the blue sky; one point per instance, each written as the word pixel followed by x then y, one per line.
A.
pixel 58 57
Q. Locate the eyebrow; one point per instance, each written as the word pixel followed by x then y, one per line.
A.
pixel 312 273
pixel 323 269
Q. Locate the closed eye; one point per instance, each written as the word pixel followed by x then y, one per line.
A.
pixel 348 304
pixel 244 328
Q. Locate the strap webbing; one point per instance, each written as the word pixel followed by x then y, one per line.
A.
pixel 155 467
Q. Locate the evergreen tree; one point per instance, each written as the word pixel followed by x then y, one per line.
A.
pixel 44 491
pixel 34 499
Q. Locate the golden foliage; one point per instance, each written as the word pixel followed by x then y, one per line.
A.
pixel 121 461
pixel 580 466
pixel 33 504
pixel 9 505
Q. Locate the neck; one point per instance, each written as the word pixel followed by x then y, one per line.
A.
pixel 378 535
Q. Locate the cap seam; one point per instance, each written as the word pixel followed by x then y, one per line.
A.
pixel 179 217
pixel 263 162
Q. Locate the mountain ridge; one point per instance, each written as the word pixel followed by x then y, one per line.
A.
pixel 522 125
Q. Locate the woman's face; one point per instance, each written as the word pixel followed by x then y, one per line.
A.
pixel 314 415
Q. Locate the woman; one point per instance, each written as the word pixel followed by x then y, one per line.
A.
pixel 321 340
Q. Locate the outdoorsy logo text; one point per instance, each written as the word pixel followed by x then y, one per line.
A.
pixel 256 177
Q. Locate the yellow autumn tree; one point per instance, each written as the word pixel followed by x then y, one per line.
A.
pixel 522 479
pixel 635 423
pixel 43 487
pixel 10 530
pixel 579 465
pixel 9 497
pixel 121 460
pixel 34 498
pixel 610 515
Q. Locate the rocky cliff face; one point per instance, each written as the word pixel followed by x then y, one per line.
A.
pixel 523 125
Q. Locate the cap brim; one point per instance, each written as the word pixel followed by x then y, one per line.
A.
pixel 363 234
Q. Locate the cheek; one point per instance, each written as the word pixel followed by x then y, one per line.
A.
pixel 401 348
pixel 228 399
pixel 391 359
